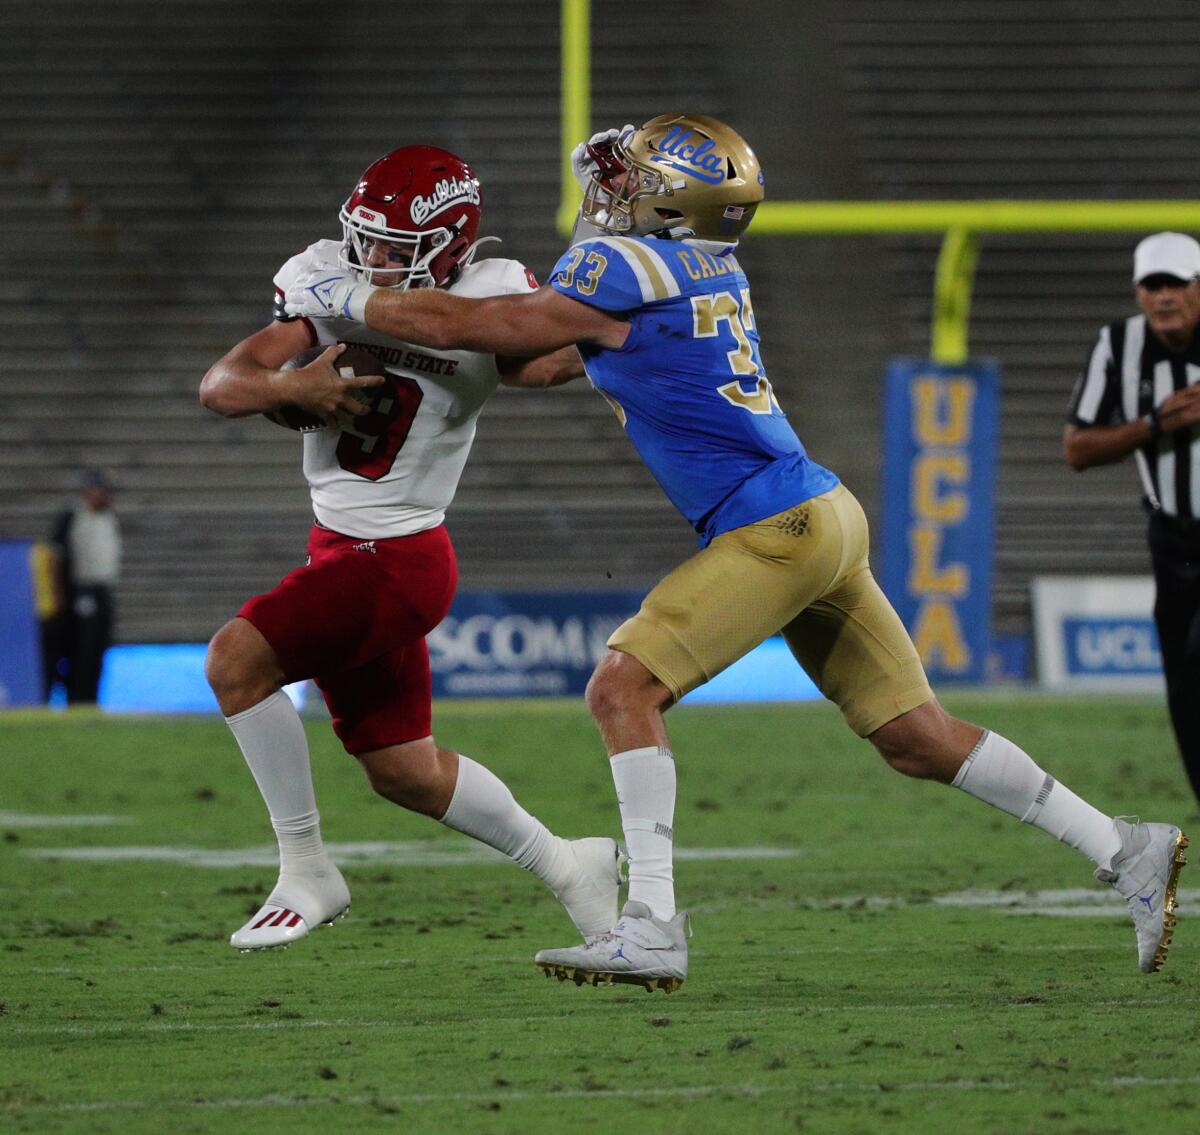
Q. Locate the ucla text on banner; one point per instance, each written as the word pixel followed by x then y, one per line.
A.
pixel 524 644
pixel 939 466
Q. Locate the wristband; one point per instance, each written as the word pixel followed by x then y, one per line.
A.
pixel 356 302
pixel 1152 421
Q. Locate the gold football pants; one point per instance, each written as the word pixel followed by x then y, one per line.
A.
pixel 803 573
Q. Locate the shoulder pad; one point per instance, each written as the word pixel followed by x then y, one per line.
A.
pixel 616 273
pixel 494 277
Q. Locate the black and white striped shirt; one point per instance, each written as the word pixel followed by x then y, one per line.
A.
pixel 1129 373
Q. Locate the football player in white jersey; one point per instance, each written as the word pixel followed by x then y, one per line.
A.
pixel 381 572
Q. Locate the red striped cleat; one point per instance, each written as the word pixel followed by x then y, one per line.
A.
pixel 294 907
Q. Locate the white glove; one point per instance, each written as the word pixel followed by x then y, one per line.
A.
pixel 583 163
pixel 328 291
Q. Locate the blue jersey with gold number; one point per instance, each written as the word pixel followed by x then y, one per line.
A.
pixel 688 384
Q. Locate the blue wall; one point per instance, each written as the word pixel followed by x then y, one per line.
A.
pixel 20 633
pixel 493 644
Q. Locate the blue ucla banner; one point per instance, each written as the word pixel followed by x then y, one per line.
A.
pixel 524 644
pixel 939 468
pixel 20 634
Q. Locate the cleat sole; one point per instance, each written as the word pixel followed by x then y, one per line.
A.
pixel 1178 862
pixel 262 949
pixel 596 978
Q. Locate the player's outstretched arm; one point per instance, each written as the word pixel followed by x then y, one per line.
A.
pixel 528 325
pixel 533 324
pixel 249 379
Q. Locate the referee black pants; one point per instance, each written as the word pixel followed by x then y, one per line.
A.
pixel 91 635
pixel 1175 553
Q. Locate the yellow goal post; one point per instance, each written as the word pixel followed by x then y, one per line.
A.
pixel 963 223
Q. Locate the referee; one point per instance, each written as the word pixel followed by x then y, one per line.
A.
pixel 1140 394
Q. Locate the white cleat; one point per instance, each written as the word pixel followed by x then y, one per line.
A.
pixel 1145 873
pixel 296 905
pixel 639 950
pixel 590 896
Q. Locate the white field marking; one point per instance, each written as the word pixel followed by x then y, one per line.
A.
pixel 1072 902
pixel 884 1084
pixel 25 820
pixel 411 853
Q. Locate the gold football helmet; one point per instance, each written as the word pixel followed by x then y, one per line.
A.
pixel 685 174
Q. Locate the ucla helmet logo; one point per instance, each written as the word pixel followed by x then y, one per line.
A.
pixel 679 175
pixel 687 151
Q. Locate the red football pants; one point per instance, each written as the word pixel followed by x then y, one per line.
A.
pixel 354 619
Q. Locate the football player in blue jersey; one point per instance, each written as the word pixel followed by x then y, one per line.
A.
pixel 660 311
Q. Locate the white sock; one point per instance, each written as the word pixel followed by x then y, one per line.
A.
pixel 999 773
pixel 645 780
pixel 271 737
pixel 483 808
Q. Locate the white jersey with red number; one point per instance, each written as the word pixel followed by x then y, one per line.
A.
pixel 395 471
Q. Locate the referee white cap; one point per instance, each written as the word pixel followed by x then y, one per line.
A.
pixel 1166 254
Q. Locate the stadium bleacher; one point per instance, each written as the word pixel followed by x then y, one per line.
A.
pixel 150 188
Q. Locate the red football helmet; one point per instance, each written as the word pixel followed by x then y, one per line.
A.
pixel 412 219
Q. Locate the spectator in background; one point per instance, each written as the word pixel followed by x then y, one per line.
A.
pixel 1140 394
pixel 88 538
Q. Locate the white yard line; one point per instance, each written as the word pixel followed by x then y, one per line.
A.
pixel 27 820
pixel 1071 902
pixel 404 853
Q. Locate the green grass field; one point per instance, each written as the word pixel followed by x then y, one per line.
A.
pixel 902 963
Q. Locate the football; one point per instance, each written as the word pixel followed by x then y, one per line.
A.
pixel 352 361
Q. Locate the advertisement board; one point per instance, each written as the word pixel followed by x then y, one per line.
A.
pixel 501 644
pixel 1096 632
pixel 493 644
